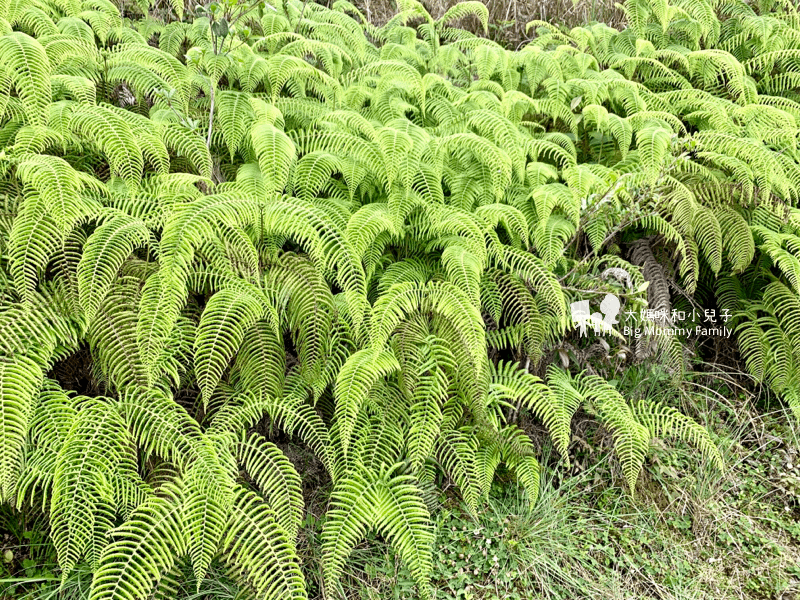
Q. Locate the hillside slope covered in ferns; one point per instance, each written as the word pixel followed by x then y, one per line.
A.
pixel 244 219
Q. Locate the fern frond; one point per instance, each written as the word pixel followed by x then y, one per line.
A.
pixel 20 378
pixel 664 421
pixel 388 503
pixel 226 318
pixel 142 549
pixel 361 371
pixel 276 479
pixel 105 251
pixel 29 67
pixel 115 138
pixel 260 551
pixel 96 446
pixel 631 439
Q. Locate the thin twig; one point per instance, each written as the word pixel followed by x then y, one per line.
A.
pixel 302 13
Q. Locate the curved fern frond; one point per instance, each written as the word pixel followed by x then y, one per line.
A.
pixel 257 547
pixel 276 479
pixel 227 316
pixel 29 68
pixel 105 251
pixel 361 371
pixel 20 378
pixel 142 549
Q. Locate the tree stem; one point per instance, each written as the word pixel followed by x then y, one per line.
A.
pixel 302 12
pixel 210 118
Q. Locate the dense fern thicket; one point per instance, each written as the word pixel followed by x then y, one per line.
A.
pixel 367 238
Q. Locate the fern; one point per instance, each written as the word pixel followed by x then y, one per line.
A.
pixel 29 73
pixel 20 379
pixel 368 238
pixel 388 503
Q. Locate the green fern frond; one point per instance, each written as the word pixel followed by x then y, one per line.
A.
pixel 457 452
pixel 142 549
pixel 276 479
pixel 663 421
pixel 105 251
pixel 227 316
pixel 20 379
pixel 631 439
pixel 392 505
pixel 96 446
pixel 114 137
pixel 260 551
pixel 29 68
pixel 361 371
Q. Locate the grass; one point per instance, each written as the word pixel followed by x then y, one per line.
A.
pixel 689 534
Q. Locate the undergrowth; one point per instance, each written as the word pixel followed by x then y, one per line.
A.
pixel 291 297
